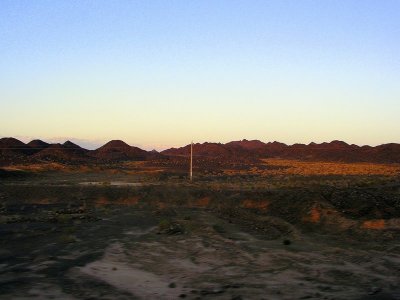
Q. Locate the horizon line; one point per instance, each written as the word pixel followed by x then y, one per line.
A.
pixel 177 146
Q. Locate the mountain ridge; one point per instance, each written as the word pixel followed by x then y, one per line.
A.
pixel 118 150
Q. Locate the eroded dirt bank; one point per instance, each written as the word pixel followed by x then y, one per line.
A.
pixel 190 253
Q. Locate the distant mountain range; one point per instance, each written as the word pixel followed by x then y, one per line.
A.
pixel 12 149
pixel 333 151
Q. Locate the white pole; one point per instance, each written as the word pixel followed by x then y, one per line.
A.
pixel 191 161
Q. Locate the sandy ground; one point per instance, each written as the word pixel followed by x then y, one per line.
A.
pixel 210 264
pixel 117 250
pixel 213 259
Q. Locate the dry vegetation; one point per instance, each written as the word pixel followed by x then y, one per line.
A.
pixel 295 167
pixel 136 230
pixel 50 167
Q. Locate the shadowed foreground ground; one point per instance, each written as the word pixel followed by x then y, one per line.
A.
pixel 79 236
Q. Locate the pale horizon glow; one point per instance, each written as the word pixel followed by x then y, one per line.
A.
pixel 158 74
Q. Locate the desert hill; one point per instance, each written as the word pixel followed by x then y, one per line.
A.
pixel 67 152
pixel 116 150
pixel 250 145
pixel 37 145
pixel 333 151
pixel 14 151
pixel 243 151
pixel 74 148
pixel 12 146
pixel 205 149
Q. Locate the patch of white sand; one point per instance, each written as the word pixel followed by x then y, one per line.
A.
pixel 114 268
pixel 140 283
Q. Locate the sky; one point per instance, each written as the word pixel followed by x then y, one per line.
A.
pixel 160 73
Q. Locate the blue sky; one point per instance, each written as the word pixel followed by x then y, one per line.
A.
pixel 161 73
